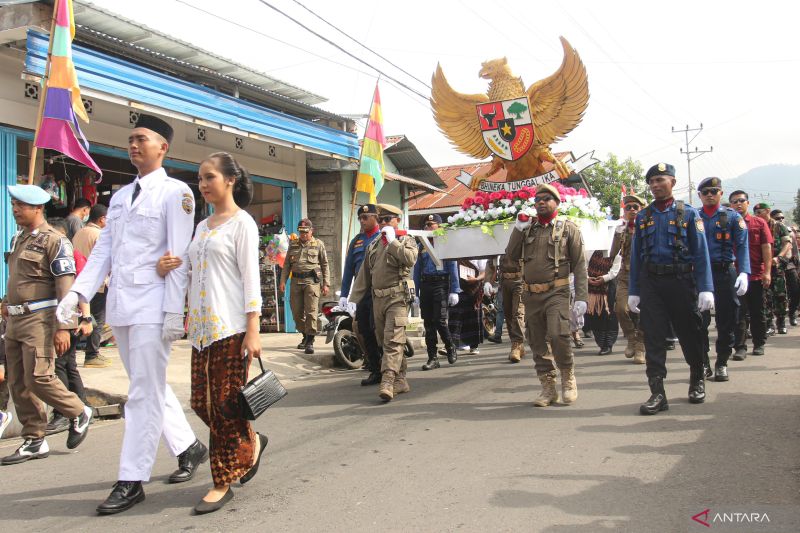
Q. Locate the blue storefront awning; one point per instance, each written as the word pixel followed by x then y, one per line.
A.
pixel 121 78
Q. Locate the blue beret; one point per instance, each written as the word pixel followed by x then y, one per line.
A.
pixel 661 169
pixel 30 194
pixel 710 182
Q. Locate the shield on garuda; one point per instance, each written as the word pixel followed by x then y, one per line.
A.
pixel 507 127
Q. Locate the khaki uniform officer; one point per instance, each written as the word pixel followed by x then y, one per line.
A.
pixel 386 272
pixel 509 276
pixel 623 238
pixel 550 249
pixel 41 269
pixel 307 261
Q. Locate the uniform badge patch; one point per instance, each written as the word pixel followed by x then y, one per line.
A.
pixel 187 203
pixel 699 224
pixel 742 223
pixel 64 262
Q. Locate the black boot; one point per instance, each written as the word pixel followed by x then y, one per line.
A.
pixel 310 344
pixel 658 398
pixel 793 319
pixel 697 388
pixel 303 342
pixel 721 373
pixel 707 372
pixel 433 362
pixel 373 379
pixel 452 354
pixel 782 325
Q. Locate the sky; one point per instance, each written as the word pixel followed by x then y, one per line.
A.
pixel 732 66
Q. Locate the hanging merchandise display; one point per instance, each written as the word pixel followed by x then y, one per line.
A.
pixel 89 189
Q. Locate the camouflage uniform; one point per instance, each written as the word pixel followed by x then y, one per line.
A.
pixel 623 238
pixel 776 300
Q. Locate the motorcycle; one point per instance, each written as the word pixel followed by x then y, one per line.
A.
pixel 337 324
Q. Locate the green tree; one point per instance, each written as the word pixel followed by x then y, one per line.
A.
pixel 517 109
pixel 605 179
pixel 796 210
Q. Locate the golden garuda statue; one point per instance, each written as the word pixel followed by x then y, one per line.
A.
pixel 513 125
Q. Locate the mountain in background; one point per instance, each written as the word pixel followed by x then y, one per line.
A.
pixel 774 184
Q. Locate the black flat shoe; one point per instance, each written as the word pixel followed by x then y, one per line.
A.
pixel 263 441
pixel 125 495
pixel 204 507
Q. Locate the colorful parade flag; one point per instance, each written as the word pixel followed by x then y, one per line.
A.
pixel 622 200
pixel 371 169
pixel 59 128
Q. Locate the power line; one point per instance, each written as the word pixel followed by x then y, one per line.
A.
pixel 359 43
pixel 379 71
pixel 690 153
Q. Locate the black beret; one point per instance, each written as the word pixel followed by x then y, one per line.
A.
pixel 433 218
pixel 369 209
pixel 775 212
pixel 709 182
pixel 157 125
pixel 661 169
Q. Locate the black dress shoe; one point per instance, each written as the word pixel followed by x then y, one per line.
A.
pixel 670 345
pixel 79 427
pixel 495 339
pixel 205 507
pixel 250 474
pixel 770 331
pixel 793 320
pixel 433 362
pixel 758 350
pixel 188 461
pixel 658 398
pixel 310 345
pixel 125 495
pixel 721 373
pixel 452 354
pixel 697 391
pixel 604 351
pixel 707 372
pixel 57 424
pixel 373 379
pixel 740 354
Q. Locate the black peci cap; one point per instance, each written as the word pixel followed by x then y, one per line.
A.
pixel 157 125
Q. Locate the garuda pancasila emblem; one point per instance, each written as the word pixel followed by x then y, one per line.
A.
pixel 513 125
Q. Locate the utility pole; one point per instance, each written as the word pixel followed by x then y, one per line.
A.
pixel 691 154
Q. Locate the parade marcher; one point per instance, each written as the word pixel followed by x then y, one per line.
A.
pixel 729 254
pixel 511 292
pixel 784 266
pixel 621 244
pixel 84 242
pixel 224 306
pixel 41 270
pixel 307 262
pixel 792 280
pixel 437 289
pixel 78 217
pixel 671 278
pixel 781 249
pixel 465 319
pixel 602 273
pixel 386 272
pixel 146 218
pixel 752 304
pixel 550 248
pixel 365 321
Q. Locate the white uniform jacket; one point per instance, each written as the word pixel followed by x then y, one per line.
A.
pixel 135 237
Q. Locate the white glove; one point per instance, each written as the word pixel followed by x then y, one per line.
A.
pixel 416 300
pixel 633 304
pixel 579 308
pixel 452 299
pixel 389 233
pixel 68 307
pixel 351 308
pixel 343 302
pixel 705 301
pixel 173 327
pixel 522 226
pixel 578 322
pixel 741 284
pixel 488 289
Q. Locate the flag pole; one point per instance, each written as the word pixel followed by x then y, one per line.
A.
pixel 355 179
pixel 352 208
pixel 43 92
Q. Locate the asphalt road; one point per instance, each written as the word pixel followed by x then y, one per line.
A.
pixel 465 450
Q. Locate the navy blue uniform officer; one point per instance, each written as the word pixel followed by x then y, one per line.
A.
pixel 671 278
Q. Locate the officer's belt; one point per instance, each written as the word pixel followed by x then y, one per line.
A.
pixel 391 291
pixel 722 266
pixel 435 277
pixel 537 288
pixel 512 275
pixel 31 307
pixel 303 275
pixel 669 269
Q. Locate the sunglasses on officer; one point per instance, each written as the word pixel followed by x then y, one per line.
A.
pixel 387 218
pixel 712 191
pixel 632 207
pixel 739 201
pixel 430 223
pixel 780 217
pixel 543 198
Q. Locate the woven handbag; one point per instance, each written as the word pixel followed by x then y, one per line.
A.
pixel 261 392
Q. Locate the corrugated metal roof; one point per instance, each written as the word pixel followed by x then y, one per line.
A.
pixel 409 161
pixel 415 184
pixel 93 17
pixel 456 191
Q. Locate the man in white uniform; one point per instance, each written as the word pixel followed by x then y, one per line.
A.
pixel 146 218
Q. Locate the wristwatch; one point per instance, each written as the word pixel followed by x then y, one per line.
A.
pixel 83 319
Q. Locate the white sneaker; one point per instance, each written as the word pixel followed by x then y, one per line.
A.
pixel 5 420
pixel 474 351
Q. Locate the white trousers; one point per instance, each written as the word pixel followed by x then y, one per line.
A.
pixel 152 409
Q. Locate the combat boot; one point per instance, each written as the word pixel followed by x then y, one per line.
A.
pixel 433 362
pixel 310 345
pixel 303 342
pixel 517 352
pixel 793 319
pixel 549 394
pixel 386 392
pixel 400 384
pixel 658 398
pixel 452 354
pixel 782 326
pixel 638 356
pixel 630 349
pixel 697 387
pixel 569 386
